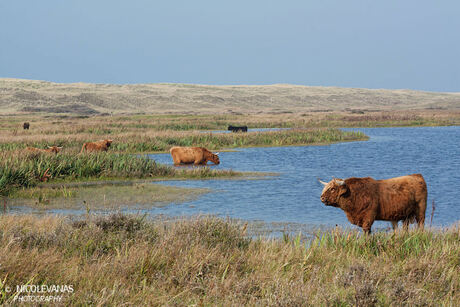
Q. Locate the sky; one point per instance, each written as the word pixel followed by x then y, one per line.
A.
pixel 394 44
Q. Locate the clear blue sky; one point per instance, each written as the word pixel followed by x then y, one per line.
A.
pixel 411 44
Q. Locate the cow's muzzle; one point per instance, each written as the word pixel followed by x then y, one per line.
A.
pixel 326 202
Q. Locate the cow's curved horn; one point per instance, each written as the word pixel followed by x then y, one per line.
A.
pixel 340 182
pixel 322 182
pixel 217 153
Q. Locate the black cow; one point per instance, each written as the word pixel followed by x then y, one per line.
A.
pixel 238 128
pixel 26 126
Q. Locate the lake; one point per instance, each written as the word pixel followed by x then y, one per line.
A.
pixel 293 196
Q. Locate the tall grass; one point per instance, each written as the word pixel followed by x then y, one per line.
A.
pixel 128 260
pixel 232 140
pixel 100 126
pixel 164 140
pixel 20 169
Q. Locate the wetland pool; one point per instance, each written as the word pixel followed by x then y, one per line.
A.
pixel 292 197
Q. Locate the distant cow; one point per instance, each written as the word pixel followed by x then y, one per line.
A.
pixel 26 126
pixel 96 146
pixel 195 155
pixel 238 128
pixel 50 149
pixel 365 200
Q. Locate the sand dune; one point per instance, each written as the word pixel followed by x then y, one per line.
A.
pixel 18 95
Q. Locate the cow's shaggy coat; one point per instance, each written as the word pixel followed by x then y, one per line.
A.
pixel 195 155
pixel 51 149
pixel 96 146
pixel 365 200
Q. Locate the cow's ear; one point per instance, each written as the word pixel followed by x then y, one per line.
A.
pixel 344 190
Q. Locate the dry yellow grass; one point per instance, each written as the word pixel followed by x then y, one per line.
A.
pixel 124 260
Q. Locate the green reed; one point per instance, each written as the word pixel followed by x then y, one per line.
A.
pixel 217 141
pixel 22 169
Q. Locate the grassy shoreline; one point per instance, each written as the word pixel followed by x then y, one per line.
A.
pixel 120 259
pixel 23 170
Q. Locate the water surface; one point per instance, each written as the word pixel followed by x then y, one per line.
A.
pixel 293 196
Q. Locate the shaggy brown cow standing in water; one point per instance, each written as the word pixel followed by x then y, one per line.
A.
pixel 195 155
pixel 50 149
pixel 365 200
pixel 96 146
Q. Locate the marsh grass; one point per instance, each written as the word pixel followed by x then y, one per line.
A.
pixel 100 126
pixel 21 169
pixel 162 141
pixel 157 133
pixel 129 260
pixel 215 141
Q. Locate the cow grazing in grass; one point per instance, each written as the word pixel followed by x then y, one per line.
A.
pixel 238 128
pixel 96 146
pixel 26 126
pixel 366 200
pixel 195 155
pixel 50 149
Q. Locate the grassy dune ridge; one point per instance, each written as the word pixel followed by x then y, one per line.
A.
pixel 121 259
pixel 86 98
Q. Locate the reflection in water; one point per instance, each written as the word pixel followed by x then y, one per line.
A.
pixel 114 196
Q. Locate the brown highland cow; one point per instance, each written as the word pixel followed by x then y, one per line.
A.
pixel 195 155
pixel 365 200
pixel 96 146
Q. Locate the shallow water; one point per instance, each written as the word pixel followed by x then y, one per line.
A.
pixel 293 196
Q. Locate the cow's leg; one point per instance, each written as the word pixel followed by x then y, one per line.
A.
pixel 175 158
pixel 202 162
pixel 368 220
pixel 395 225
pixel 420 213
pixel 367 225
